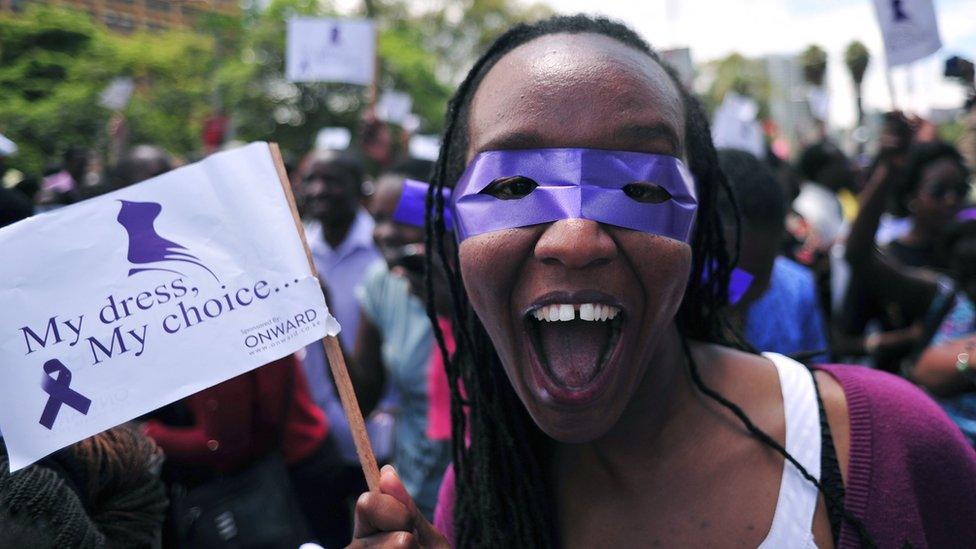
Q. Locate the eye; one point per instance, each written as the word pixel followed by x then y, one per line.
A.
pixel 648 193
pixel 510 188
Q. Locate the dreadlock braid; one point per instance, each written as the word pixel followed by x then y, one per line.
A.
pixel 125 500
pixel 37 507
pixel 502 497
pixel 95 493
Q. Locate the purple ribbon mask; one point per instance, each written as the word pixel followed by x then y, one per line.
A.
pixel 412 206
pixel 613 187
pixel 56 383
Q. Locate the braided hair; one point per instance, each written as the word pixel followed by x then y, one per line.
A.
pixel 502 497
pixel 38 508
pixel 99 492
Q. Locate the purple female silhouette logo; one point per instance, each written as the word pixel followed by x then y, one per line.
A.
pixel 898 11
pixel 149 251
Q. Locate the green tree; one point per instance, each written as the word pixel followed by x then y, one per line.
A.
pixel 814 60
pixel 47 94
pixel 857 57
pixel 742 75
pixel 55 63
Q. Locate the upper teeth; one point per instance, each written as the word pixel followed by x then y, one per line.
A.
pixel 587 311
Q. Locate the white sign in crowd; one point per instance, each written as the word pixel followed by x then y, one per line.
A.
pixel 330 50
pixel 909 29
pixel 121 304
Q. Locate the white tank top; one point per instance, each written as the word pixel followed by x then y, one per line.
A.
pixel 793 519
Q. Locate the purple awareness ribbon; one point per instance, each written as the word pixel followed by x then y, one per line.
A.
pixel 412 206
pixel 59 392
pixel 576 184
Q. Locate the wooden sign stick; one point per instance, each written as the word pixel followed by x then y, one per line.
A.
pixel 334 353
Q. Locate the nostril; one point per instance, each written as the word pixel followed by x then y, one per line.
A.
pixel 575 243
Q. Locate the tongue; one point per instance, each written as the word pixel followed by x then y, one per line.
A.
pixel 573 349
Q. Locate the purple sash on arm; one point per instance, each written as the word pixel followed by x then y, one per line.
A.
pixel 576 184
pixel 969 214
pixel 739 282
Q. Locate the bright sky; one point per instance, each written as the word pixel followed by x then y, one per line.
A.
pixel 715 28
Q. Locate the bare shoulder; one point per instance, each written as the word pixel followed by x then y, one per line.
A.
pixel 748 380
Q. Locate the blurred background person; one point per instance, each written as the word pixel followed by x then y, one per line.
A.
pixel 248 425
pixel 140 163
pixel 395 347
pixel 947 368
pixel 779 311
pixel 903 299
pixel 64 186
pixel 340 235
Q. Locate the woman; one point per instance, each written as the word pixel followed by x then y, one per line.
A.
pixel 649 429
pixel 395 346
pixel 933 190
pixel 947 368
pixel 909 301
pixel 928 180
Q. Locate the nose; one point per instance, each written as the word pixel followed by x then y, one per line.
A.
pixel 575 244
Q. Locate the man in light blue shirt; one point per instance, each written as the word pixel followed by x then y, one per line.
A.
pixel 340 234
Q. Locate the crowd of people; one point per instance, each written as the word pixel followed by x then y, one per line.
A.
pixel 788 366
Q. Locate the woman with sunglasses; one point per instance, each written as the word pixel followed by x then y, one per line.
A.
pixel 907 284
pixel 599 397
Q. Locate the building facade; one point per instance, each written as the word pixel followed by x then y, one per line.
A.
pixel 131 15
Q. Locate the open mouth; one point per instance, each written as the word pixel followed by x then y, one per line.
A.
pixel 574 341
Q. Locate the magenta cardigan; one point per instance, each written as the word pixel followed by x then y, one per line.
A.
pixel 911 476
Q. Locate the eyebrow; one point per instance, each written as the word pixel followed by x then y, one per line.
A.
pixel 657 137
pixel 658 133
pixel 514 141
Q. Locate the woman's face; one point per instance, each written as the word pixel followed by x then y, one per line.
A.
pixel 402 245
pixel 940 193
pixel 576 377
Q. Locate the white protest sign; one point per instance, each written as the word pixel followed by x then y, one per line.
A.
pixel 7 147
pixel 394 107
pixel 118 305
pixel 117 94
pixel 736 126
pixel 425 147
pixel 333 138
pixel 680 61
pixel 330 50
pixel 909 29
